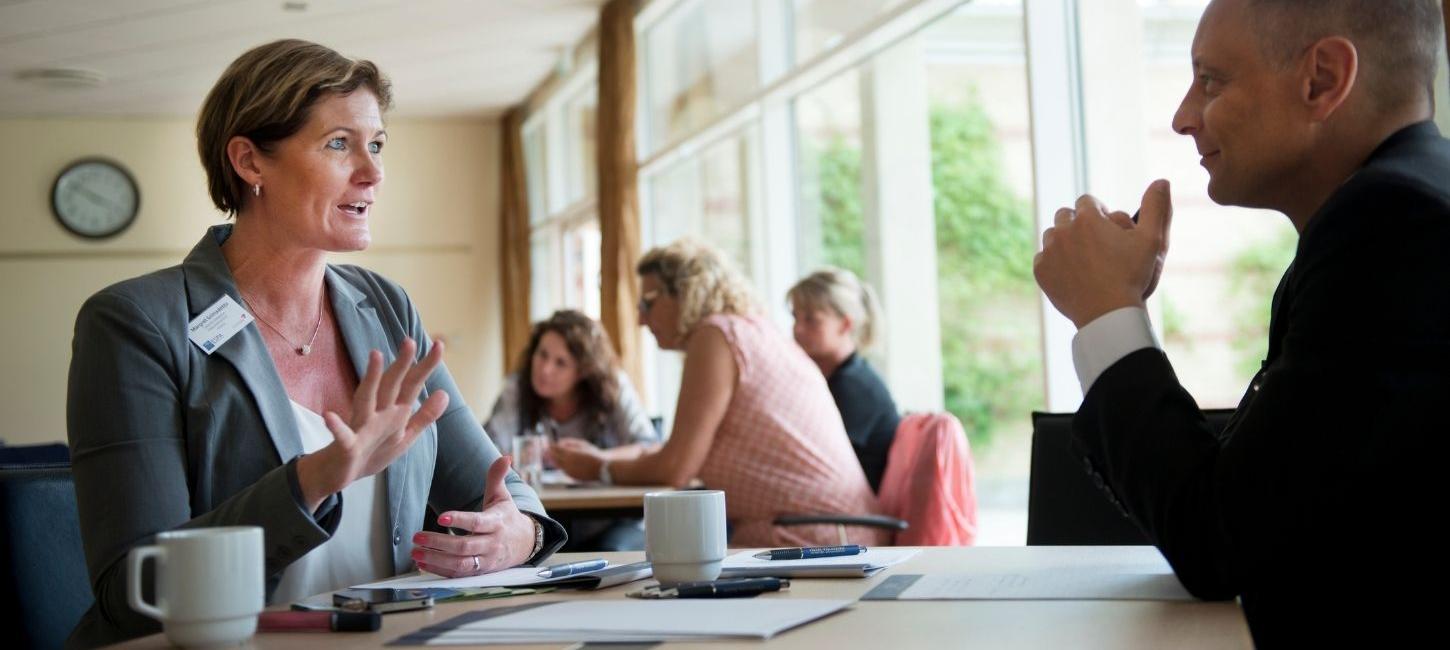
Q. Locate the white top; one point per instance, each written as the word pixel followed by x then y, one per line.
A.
pixel 359 551
pixel 1109 338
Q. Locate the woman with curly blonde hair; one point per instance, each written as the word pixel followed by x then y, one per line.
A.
pixel 754 416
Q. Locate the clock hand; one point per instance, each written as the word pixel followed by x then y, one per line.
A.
pixel 96 198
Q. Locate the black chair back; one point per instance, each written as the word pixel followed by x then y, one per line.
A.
pixel 44 587
pixel 50 453
pixel 1064 507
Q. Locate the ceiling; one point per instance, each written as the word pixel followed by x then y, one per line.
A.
pixel 446 58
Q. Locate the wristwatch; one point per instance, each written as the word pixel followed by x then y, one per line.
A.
pixel 604 476
pixel 538 537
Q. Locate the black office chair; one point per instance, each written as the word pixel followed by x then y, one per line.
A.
pixel 42 566
pixel 23 455
pixel 1064 507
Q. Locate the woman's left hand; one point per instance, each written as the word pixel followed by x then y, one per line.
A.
pixel 578 458
pixel 499 536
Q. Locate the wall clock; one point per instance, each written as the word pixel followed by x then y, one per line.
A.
pixel 95 198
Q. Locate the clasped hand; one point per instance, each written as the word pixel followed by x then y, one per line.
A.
pixel 578 458
pixel 1094 261
pixel 498 536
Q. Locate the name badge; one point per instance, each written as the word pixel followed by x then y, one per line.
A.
pixel 222 320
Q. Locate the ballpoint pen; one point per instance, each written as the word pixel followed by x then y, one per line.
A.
pixel 572 568
pixel 810 552
pixel 731 588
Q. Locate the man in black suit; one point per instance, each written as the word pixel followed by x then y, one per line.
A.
pixel 1319 505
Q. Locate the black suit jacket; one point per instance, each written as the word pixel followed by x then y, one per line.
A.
pixel 1319 504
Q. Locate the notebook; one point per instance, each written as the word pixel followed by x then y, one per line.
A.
pixel 520 577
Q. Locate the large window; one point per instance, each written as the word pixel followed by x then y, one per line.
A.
pixel 707 197
pixel 820 25
pixel 698 61
pixel 1213 302
pixel 917 143
pixel 959 84
pixel 559 157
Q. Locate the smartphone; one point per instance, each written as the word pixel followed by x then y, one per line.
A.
pixel 383 600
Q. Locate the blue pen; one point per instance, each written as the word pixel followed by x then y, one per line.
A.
pixel 561 570
pixel 810 552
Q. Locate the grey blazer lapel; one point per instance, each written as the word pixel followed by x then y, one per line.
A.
pixel 207 280
pixel 362 332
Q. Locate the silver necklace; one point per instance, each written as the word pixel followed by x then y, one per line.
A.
pixel 302 350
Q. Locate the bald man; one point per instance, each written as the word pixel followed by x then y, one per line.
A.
pixel 1319 506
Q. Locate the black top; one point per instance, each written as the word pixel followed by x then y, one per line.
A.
pixel 868 412
pixel 1320 503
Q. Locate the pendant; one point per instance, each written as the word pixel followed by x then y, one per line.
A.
pixel 302 351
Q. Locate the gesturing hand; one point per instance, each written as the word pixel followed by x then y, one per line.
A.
pixel 578 458
pixel 382 425
pixel 1094 261
pixel 499 536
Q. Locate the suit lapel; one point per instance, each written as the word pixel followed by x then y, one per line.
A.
pixel 1278 319
pixel 362 332
pixel 208 279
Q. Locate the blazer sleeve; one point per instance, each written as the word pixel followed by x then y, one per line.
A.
pixel 124 420
pixel 465 453
pixel 1339 424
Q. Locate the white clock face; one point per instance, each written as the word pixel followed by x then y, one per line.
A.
pixel 95 198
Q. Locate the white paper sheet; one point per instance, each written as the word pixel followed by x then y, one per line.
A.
pixel 637 620
pixel 1061 584
pixel 516 577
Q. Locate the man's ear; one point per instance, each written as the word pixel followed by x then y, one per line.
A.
pixel 245 157
pixel 1331 69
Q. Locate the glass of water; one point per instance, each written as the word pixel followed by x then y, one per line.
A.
pixel 529 458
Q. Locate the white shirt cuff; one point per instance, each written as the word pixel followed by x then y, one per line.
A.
pixel 1109 338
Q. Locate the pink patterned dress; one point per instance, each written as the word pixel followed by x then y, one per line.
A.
pixel 781 448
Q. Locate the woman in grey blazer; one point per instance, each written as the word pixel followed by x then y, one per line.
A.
pixel 256 384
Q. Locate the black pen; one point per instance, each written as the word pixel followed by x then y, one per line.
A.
pixel 810 552
pixel 731 588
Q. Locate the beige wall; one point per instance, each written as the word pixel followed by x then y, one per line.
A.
pixel 434 231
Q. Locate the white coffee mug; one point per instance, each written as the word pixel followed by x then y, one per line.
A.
pixel 209 584
pixel 684 534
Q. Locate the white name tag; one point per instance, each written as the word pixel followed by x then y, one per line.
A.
pixel 223 319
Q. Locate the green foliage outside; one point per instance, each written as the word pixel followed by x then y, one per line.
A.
pixel 1254 273
pixel 985 237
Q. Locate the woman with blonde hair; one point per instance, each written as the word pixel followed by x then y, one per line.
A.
pixel 835 317
pixel 754 417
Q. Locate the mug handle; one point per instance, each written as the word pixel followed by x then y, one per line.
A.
pixel 133 580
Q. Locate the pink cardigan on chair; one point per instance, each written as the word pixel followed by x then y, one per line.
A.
pixel 929 482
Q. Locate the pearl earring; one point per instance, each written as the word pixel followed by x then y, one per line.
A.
pixel 257 189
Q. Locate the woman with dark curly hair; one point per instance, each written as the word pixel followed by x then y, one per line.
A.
pixel 569 384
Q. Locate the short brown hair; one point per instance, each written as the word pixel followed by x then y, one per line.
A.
pixel 1398 40
pixel 266 95
pixel 700 278
pixel 598 385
